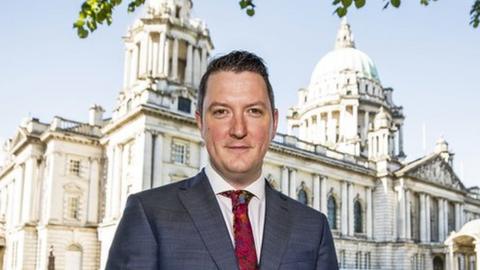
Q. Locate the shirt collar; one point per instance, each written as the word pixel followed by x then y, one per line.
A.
pixel 219 185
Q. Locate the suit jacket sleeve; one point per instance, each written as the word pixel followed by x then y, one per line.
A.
pixel 327 257
pixel 134 245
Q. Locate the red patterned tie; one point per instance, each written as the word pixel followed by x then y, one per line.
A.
pixel 242 230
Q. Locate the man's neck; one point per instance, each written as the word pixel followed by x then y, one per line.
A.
pixel 239 181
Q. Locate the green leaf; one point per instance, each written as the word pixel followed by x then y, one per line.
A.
pixel 82 33
pixel 250 12
pixel 395 3
pixel 359 3
pixel 341 11
pixel 336 2
pixel 243 4
pixel 346 3
pixel 79 23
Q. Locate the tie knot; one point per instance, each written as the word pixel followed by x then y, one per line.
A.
pixel 238 197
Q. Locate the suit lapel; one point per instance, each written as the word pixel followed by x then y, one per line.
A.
pixel 276 231
pixel 200 202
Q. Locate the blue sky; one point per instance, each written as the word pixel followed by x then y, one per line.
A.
pixel 429 55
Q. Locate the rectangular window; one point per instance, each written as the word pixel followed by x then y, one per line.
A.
pixel 367 260
pixel 74 208
pixel 74 167
pixel 180 152
pixel 184 105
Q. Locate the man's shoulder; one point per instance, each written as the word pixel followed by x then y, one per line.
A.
pixel 300 211
pixel 166 194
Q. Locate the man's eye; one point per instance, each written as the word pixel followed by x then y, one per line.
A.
pixel 255 111
pixel 219 112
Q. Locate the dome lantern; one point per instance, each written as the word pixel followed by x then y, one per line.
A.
pixel 344 36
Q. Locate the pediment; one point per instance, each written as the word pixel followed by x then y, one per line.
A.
pixel 436 170
pixel 19 137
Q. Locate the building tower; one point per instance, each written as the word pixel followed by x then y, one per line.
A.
pixel 166 53
pixel 345 106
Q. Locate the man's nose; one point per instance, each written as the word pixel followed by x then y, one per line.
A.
pixel 239 127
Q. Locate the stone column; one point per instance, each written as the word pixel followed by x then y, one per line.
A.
pixel 462 215
pixel 150 52
pixel 402 213
pixel 175 59
pixel 408 227
pixel 109 184
pixel 161 54
pixel 427 218
pixel 285 181
pixel 323 195
pixel 166 58
pixel 189 66
pixel 11 195
pixel 196 74
pixel 293 184
pixel 126 67
pixel 400 140
pixel 123 178
pixel 393 144
pixel 445 216
pixel 449 258
pixel 351 219
pixel 204 60
pixel 369 213
pixel 29 185
pixel 355 122
pixel 457 217
pixel 117 182
pixel 158 161
pixel 344 209
pixel 143 54
pixel 423 218
pixel 316 192
pixel 330 128
pixel 144 160
pixel 366 123
pixel 441 220
pixel 342 123
pixel 155 45
pixel 93 191
pixel 477 251
pixel 19 193
pixel 134 65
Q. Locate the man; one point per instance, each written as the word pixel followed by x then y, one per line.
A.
pixel 227 216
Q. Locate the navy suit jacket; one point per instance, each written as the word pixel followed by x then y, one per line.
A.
pixel 180 226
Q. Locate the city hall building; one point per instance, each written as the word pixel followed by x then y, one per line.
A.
pixel 64 183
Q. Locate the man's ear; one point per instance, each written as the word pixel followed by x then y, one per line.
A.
pixel 198 119
pixel 275 123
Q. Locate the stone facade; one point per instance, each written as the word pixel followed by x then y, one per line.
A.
pixel 64 184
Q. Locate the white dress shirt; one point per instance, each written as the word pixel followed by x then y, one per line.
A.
pixel 256 206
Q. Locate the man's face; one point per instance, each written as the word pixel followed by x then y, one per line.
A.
pixel 237 124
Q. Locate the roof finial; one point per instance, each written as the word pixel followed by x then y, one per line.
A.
pixel 344 35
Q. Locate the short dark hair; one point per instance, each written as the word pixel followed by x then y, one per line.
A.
pixel 236 61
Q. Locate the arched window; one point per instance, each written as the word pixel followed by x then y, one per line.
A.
pixel 302 194
pixel 451 217
pixel 437 263
pixel 332 212
pixel 73 257
pixel 357 213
